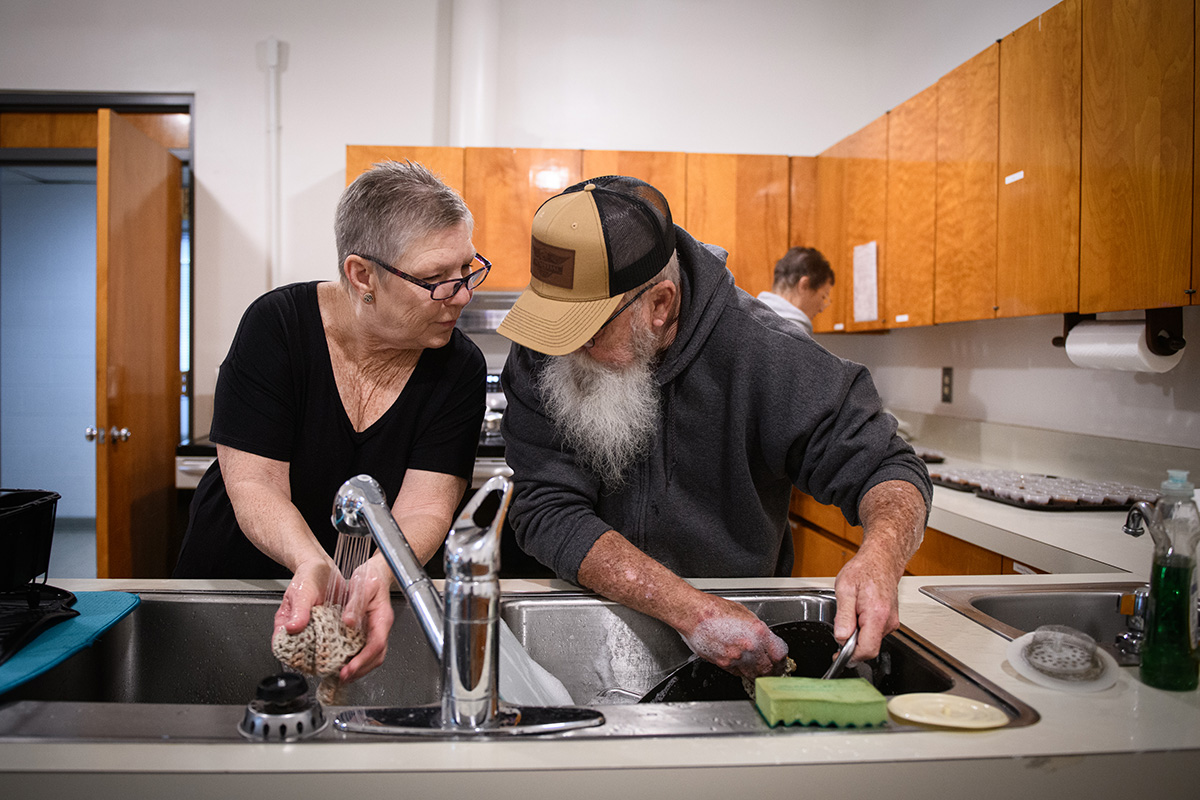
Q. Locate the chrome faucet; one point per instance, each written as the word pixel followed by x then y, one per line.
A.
pixel 463 630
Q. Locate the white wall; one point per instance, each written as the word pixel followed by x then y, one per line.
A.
pixel 749 76
pixel 1006 371
pixel 48 339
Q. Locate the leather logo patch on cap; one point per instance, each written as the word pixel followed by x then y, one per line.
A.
pixel 552 265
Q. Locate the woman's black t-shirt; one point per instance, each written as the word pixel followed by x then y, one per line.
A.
pixel 276 397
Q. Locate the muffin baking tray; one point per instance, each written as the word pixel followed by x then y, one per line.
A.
pixel 1043 492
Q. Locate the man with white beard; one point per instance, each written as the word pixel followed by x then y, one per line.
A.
pixel 658 417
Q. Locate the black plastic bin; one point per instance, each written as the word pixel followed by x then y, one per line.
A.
pixel 26 530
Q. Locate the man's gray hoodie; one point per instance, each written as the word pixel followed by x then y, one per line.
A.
pixel 751 406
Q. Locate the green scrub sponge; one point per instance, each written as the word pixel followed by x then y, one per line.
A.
pixel 844 703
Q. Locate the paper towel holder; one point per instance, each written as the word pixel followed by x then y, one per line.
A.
pixel 1164 329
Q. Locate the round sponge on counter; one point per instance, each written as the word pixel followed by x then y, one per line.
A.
pixel 843 703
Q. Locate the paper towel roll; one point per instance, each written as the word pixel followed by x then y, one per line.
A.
pixel 1119 345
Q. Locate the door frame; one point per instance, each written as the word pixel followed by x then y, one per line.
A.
pixel 120 102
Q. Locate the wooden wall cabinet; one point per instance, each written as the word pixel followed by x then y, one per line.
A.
pixel 830 233
pixel 1039 182
pixel 802 227
pixel 666 172
pixel 740 203
pixel 866 190
pixel 1139 131
pixel 968 132
pixel 503 188
pixel 911 211
pixel 851 210
pixel 446 162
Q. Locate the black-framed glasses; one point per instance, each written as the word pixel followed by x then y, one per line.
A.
pixel 442 290
pixel 617 313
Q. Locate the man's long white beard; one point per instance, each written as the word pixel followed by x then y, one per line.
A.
pixel 607 415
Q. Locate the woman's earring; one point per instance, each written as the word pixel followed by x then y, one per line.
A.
pixel 368 298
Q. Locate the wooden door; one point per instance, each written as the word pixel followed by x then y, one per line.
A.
pixel 866 225
pixel 1038 212
pixel 503 188
pixel 830 228
pixel 968 133
pixel 445 162
pixel 911 210
pixel 740 203
pixel 138 224
pixel 1138 139
pixel 666 172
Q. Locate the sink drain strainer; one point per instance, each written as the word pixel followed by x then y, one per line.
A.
pixel 1061 657
pixel 1062 653
pixel 282 711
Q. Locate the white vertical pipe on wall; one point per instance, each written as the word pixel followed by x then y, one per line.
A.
pixel 475 27
pixel 274 188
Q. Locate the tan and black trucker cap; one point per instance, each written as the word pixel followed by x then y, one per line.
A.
pixel 591 244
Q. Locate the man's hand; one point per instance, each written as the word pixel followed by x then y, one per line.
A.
pixel 718 630
pixel 893 516
pixel 732 637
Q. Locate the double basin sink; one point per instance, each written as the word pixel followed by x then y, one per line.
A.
pixel 183 665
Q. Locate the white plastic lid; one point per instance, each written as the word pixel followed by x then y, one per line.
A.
pixel 1177 483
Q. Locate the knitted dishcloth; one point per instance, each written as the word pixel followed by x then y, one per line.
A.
pixel 321 648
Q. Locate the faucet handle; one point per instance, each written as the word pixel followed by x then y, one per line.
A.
pixel 473 544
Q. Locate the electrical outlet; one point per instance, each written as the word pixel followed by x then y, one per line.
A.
pixel 947 384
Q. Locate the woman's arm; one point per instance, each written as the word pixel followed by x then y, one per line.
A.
pixel 424 510
pixel 261 495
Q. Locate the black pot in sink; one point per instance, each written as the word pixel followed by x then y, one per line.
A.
pixel 812 646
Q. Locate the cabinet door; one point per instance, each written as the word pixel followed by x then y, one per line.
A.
pixel 1038 240
pixel 666 172
pixel 866 225
pixel 504 188
pixel 1138 137
pixel 740 203
pixel 830 228
pixel 968 132
pixel 802 227
pixel 446 162
pixel 942 554
pixel 817 555
pixel 817 515
pixel 911 210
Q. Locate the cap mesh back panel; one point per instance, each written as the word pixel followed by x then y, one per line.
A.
pixel 639 233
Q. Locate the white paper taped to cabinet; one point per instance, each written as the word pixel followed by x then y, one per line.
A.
pixel 1119 345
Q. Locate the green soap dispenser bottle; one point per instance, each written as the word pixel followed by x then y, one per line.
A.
pixel 1171 652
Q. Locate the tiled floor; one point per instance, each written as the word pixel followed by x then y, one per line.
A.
pixel 73 550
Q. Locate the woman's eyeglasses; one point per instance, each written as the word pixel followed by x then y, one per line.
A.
pixel 442 290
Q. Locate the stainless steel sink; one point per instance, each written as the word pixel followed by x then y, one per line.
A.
pixel 183 665
pixel 211 648
pixel 1013 611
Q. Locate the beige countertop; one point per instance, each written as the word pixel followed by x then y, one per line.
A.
pixel 1053 541
pixel 1124 739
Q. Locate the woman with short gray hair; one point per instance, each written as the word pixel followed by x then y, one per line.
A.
pixel 326 380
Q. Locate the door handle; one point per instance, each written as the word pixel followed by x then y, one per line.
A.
pixel 118 434
pixel 93 435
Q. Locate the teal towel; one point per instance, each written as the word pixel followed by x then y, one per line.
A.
pixel 98 611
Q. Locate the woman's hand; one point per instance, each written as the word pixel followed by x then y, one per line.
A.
pixel 307 589
pixel 369 607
